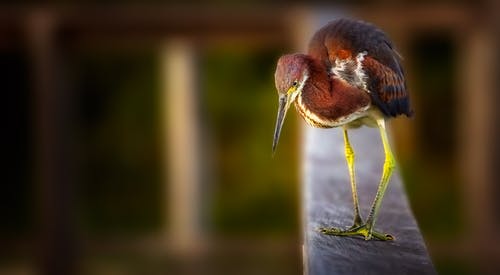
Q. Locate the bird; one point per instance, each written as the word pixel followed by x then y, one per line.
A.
pixel 350 77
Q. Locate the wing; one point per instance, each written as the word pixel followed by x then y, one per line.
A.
pixel 363 55
pixel 388 88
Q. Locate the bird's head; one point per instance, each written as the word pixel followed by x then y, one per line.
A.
pixel 290 77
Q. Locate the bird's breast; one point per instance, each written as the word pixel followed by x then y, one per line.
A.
pixel 315 119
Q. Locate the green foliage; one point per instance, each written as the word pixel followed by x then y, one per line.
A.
pixel 435 195
pixel 119 142
pixel 253 191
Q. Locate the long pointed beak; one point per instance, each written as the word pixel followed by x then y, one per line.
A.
pixel 284 104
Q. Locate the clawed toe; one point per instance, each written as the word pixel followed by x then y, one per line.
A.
pixel 362 230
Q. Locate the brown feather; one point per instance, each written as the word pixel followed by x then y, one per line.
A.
pixel 388 89
pixel 329 98
pixel 345 39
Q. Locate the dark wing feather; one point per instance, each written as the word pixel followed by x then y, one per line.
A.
pixel 387 88
pixel 345 39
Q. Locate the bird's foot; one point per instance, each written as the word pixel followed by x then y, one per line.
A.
pixel 357 230
pixel 358 221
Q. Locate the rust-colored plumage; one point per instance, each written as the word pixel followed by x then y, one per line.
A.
pixel 351 76
pixel 344 40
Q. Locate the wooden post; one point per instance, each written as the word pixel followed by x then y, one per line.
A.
pixel 477 144
pixel 181 128
pixel 53 161
pixel 328 202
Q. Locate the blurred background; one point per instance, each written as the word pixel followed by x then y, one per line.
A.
pixel 137 138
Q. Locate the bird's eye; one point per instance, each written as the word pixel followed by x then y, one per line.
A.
pixel 294 83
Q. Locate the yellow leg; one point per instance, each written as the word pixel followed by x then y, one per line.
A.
pixel 349 156
pixel 366 230
pixel 389 165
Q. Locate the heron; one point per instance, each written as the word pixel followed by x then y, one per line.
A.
pixel 351 77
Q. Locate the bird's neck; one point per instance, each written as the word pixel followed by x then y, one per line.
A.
pixel 319 82
pixel 329 99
